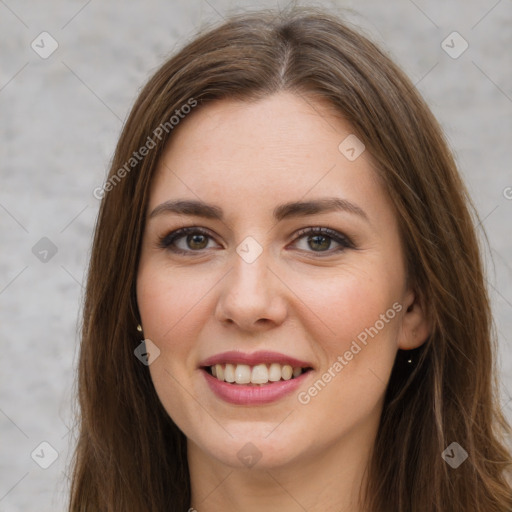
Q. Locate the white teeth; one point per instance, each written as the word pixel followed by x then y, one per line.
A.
pixel 274 372
pixel 258 374
pixel 229 373
pixel 219 371
pixel 287 372
pixel 242 374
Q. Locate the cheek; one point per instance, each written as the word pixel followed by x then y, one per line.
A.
pixel 168 300
pixel 358 348
pixel 348 304
pixel 172 311
pixel 357 324
pixel 172 307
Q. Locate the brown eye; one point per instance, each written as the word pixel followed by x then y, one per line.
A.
pixel 320 240
pixel 197 241
pixel 186 240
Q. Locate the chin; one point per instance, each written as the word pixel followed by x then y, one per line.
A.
pixel 254 447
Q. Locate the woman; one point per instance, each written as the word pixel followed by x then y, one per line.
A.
pixel 285 227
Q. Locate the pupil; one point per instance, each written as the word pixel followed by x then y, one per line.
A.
pixel 193 239
pixel 316 238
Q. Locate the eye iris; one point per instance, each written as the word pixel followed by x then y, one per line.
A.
pixel 316 238
pixel 197 239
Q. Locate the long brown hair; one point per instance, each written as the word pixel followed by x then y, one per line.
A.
pixel 130 455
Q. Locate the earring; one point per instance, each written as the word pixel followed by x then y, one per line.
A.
pixel 139 328
pixel 409 361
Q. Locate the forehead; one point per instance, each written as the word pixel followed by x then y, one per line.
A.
pixel 281 148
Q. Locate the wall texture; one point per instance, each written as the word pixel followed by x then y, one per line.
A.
pixel 63 97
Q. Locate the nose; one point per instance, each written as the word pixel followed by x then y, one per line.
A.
pixel 252 297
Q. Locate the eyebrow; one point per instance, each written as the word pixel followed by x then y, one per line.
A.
pixel 281 212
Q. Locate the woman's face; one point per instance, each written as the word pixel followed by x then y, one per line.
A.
pixel 249 288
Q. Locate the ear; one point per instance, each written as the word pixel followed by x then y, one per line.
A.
pixel 415 328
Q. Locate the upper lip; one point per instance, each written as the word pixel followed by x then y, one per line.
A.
pixel 254 358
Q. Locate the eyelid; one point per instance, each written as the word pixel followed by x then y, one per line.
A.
pixel 324 230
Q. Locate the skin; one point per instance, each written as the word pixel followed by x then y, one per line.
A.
pixel 247 158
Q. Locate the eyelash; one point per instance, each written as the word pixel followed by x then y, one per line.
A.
pixel 167 241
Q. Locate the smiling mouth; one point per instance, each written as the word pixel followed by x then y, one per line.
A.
pixel 257 375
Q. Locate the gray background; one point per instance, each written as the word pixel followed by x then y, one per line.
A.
pixel 60 119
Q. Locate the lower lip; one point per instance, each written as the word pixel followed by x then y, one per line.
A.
pixel 253 395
